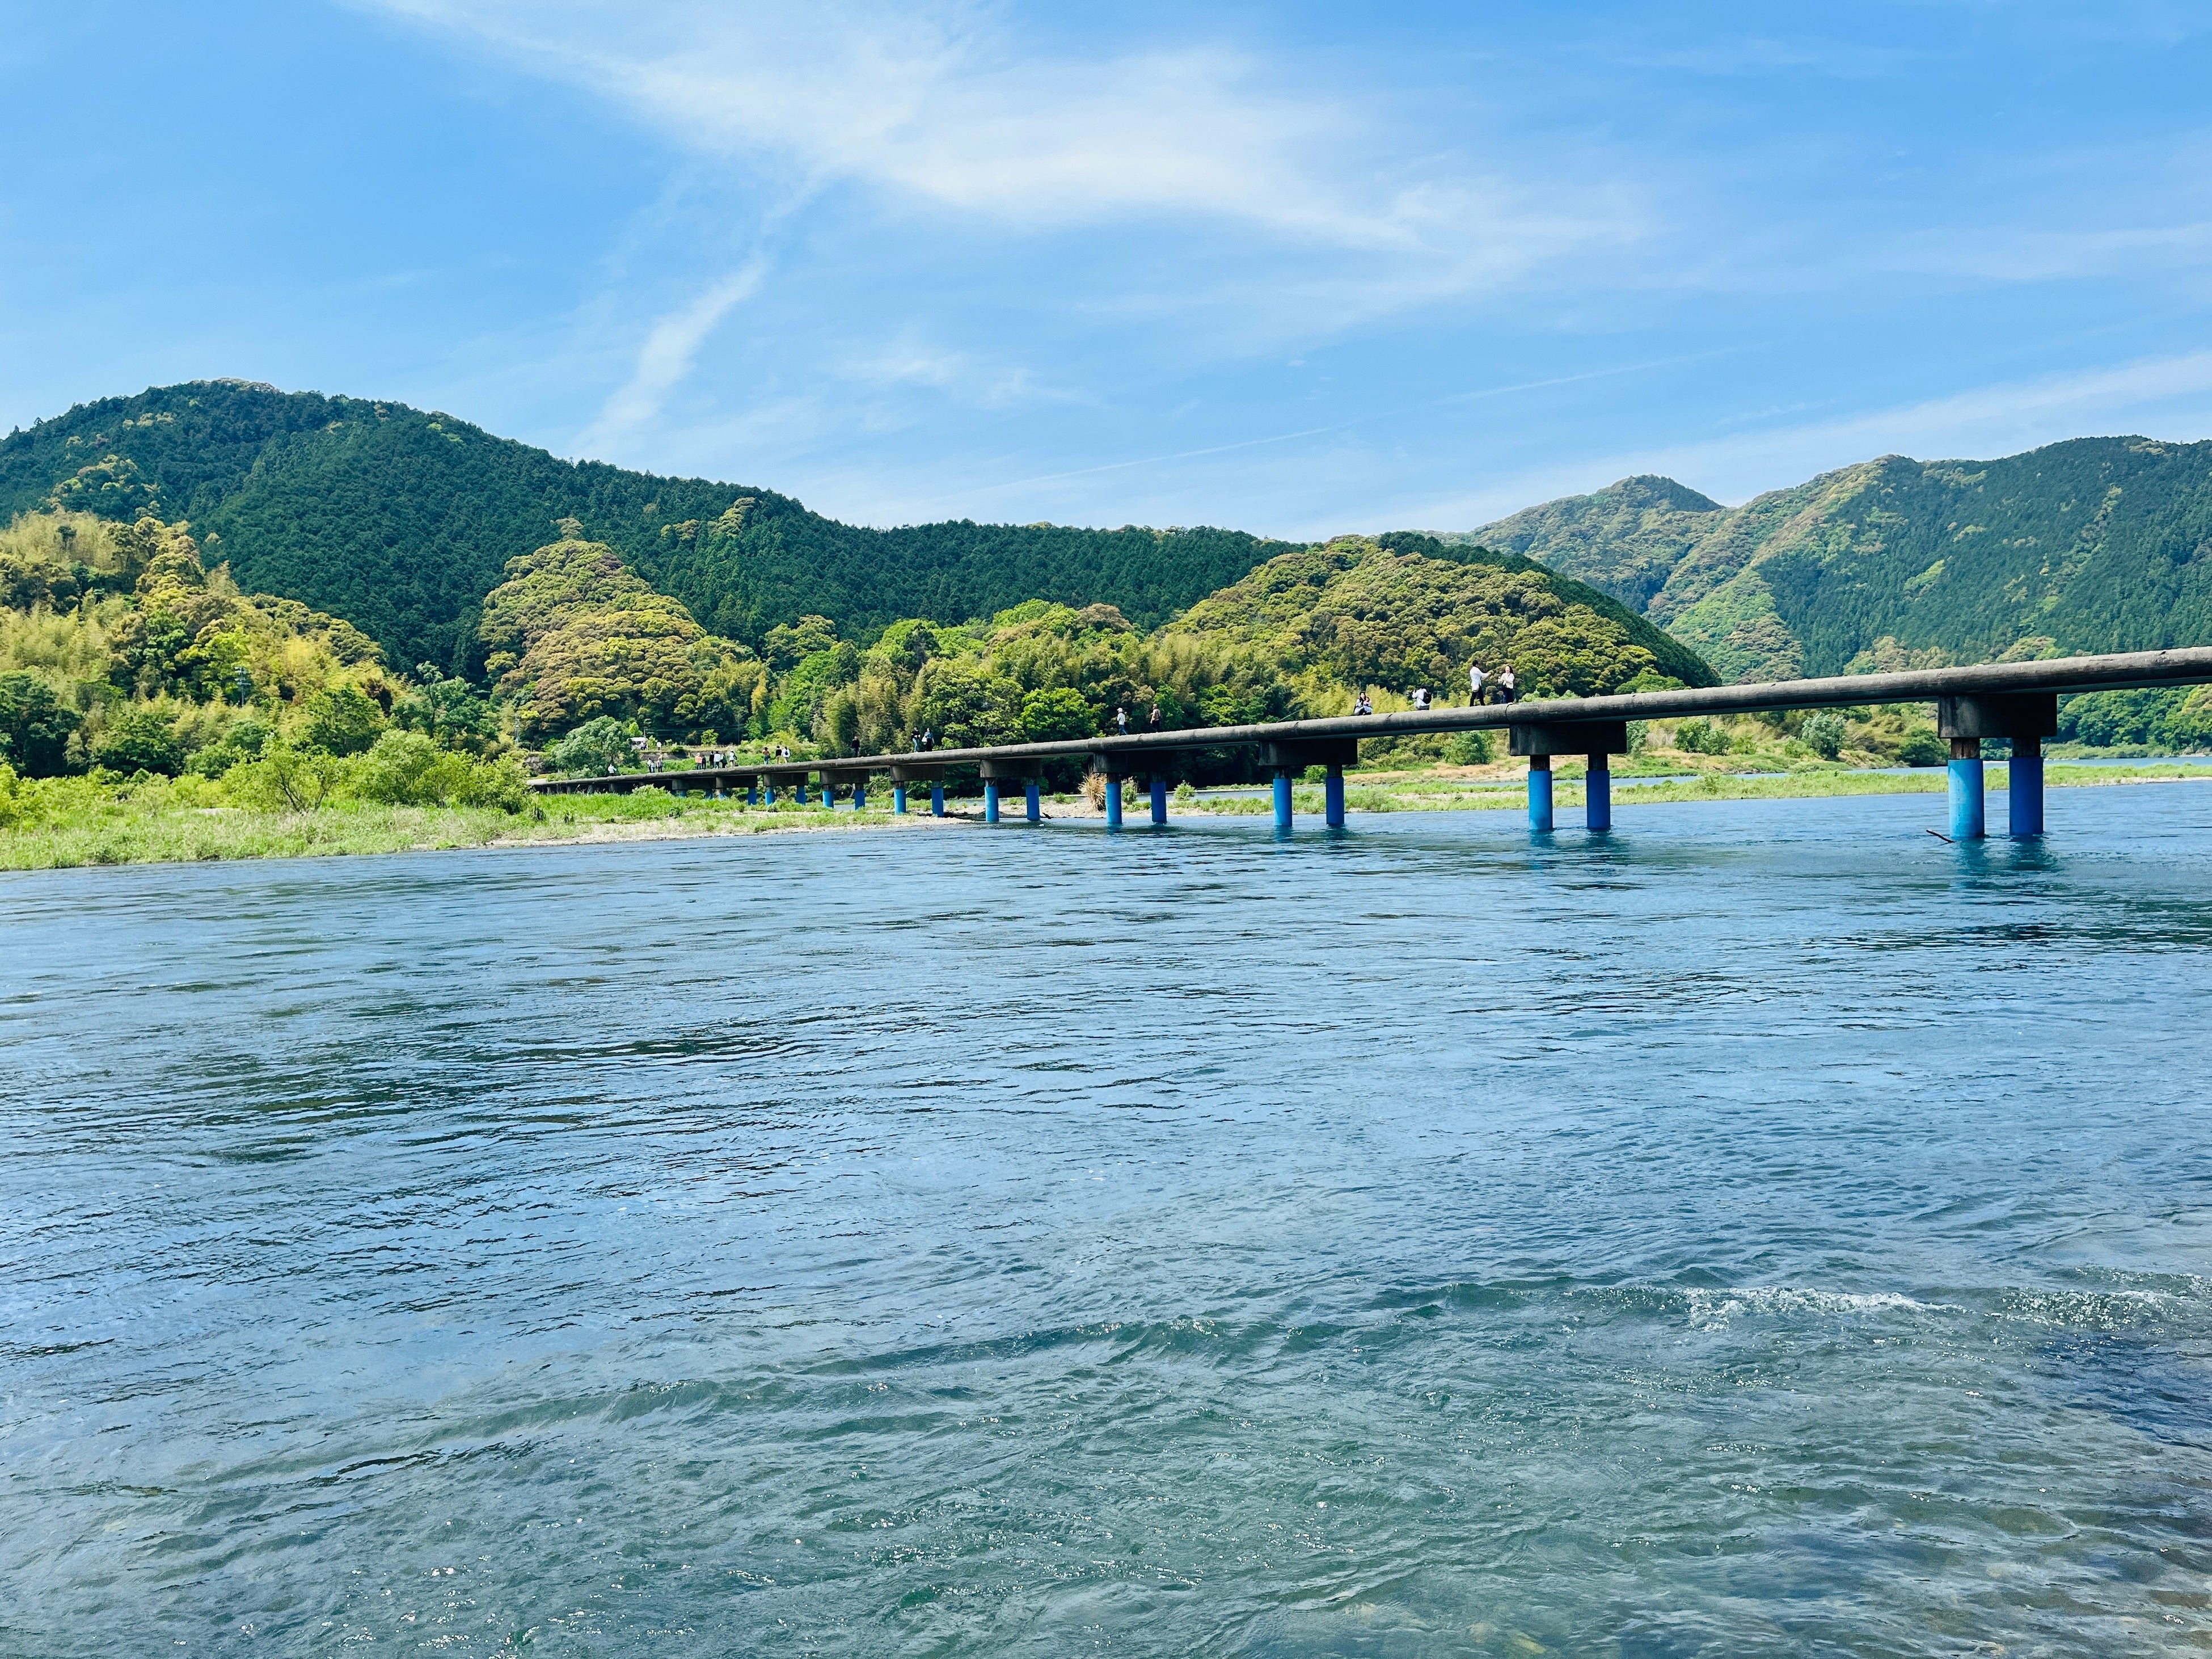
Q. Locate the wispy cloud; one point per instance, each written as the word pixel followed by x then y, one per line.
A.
pixel 666 358
pixel 942 107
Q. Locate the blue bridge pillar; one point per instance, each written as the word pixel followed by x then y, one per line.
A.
pixel 1539 794
pixel 752 794
pixel 1333 797
pixel 1597 793
pixel 898 799
pixel 771 792
pixel 1113 802
pixel 1159 801
pixel 990 800
pixel 1967 801
pixel 2024 786
pixel 937 800
pixel 1282 802
pixel 861 796
pixel 1033 793
pixel 829 794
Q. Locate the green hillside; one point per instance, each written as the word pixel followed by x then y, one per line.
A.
pixel 402 521
pixel 2095 544
pixel 1405 610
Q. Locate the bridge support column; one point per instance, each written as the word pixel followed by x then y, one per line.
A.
pixel 1159 801
pixel 1282 802
pixel 937 800
pixel 1332 798
pixel 2024 787
pixel 990 800
pixel 1113 802
pixel 1540 794
pixel 861 796
pixel 1597 793
pixel 898 799
pixel 2024 717
pixel 1033 796
pixel 752 794
pixel 771 792
pixel 1967 801
pixel 830 794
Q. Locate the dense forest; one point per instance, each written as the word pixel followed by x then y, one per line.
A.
pixel 2095 544
pixel 402 521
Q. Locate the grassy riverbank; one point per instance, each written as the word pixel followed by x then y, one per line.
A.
pixel 163 821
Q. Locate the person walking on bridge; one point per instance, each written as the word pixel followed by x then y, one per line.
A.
pixel 1121 720
pixel 1507 689
pixel 1474 678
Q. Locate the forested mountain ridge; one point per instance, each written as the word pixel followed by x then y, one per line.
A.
pixel 2092 544
pixel 402 521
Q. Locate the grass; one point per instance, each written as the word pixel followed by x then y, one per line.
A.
pixel 154 821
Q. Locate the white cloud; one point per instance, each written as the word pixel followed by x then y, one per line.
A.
pixel 666 358
pixel 941 107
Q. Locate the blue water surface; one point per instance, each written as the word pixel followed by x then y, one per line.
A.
pixel 1767 1229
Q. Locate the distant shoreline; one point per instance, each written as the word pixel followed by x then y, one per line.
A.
pixel 188 835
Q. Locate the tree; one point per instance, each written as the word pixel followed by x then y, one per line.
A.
pixel 342 719
pixel 1056 715
pixel 592 749
pixel 140 740
pixel 34 727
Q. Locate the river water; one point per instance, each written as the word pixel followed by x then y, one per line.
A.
pixel 1771 1231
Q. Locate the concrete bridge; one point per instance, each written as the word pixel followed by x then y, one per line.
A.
pixel 2017 702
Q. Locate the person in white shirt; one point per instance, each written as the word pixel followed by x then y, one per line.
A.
pixel 1474 685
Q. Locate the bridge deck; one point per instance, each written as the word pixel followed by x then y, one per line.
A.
pixel 1125 756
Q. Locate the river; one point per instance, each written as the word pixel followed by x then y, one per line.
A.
pixel 1773 1230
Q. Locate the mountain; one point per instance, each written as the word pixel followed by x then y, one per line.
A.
pixel 2094 544
pixel 1625 539
pixel 401 521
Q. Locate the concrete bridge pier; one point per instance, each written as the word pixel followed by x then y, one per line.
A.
pixel 752 791
pixel 861 795
pixel 2024 788
pixel 1599 740
pixel 898 799
pixel 1967 784
pixel 1113 801
pixel 1159 791
pixel 1033 800
pixel 990 800
pixel 1288 759
pixel 830 794
pixel 1597 793
pixel 2023 718
pixel 937 800
pixel 771 792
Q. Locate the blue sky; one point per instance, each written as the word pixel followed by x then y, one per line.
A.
pixel 1295 270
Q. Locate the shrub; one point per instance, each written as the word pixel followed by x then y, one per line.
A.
pixel 1922 747
pixel 140 740
pixel 1823 733
pixel 1471 749
pixel 1701 737
pixel 406 769
pixel 286 779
